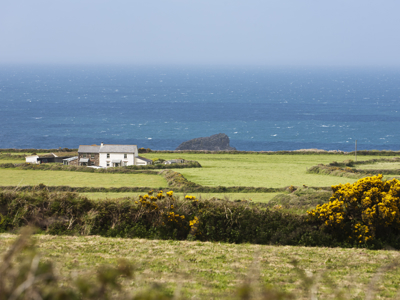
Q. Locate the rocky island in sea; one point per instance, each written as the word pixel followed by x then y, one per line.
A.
pixel 216 142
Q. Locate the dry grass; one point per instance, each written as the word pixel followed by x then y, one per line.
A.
pixel 214 270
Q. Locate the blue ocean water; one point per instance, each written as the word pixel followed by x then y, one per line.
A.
pixel 160 107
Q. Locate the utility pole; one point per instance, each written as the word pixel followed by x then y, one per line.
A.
pixel 356 151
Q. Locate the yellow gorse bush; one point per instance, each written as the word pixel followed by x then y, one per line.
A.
pixel 361 209
pixel 167 210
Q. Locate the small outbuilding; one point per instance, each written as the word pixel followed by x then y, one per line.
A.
pixel 71 161
pixel 142 161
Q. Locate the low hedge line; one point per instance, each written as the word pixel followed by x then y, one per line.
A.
pixel 347 168
pixel 8 156
pixel 163 217
pixel 79 189
pixel 200 189
pixel 119 170
pixel 32 150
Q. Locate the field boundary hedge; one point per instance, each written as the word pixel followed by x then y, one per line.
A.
pixel 164 217
pixel 118 170
pixel 347 168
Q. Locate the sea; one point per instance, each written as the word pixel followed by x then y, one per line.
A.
pixel 159 107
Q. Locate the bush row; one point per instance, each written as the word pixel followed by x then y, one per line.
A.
pixel 184 189
pixel 119 170
pixel 161 216
pixel 33 150
pixel 334 171
pixel 346 168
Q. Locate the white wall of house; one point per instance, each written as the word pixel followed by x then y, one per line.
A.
pixel 31 159
pixel 105 161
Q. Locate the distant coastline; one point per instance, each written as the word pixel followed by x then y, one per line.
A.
pixel 288 152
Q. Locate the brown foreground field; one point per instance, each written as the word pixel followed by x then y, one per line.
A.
pixel 199 270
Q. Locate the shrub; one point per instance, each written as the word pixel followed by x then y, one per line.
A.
pixel 364 212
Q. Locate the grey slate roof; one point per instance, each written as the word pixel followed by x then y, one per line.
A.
pixel 88 149
pixel 118 149
pixel 108 149
pixel 145 159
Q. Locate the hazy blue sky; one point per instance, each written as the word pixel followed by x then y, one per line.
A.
pixel 298 32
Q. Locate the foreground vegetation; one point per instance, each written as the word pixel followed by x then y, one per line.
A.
pixel 366 214
pixel 95 267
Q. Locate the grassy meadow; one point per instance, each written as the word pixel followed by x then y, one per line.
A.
pixel 380 165
pixel 258 170
pixel 13 177
pixel 203 270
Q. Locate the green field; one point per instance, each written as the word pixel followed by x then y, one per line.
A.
pixel 380 166
pixel 257 170
pixel 256 197
pixel 13 177
pixel 218 170
pixel 215 270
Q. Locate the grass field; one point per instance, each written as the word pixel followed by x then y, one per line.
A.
pixel 218 170
pixel 381 165
pixel 214 270
pixel 13 177
pixel 257 170
pixel 256 197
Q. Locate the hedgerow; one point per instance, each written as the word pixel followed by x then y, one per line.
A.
pixel 159 215
pixel 121 170
pixel 347 168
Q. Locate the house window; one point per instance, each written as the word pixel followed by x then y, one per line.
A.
pixel 125 155
pixel 92 155
pixel 108 164
pixel 108 155
pixel 92 163
pixel 84 155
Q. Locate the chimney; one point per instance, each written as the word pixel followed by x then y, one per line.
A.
pixel 101 145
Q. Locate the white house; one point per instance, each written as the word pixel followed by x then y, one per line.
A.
pixel 108 155
pixel 31 159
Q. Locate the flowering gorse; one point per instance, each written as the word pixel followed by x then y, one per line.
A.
pixel 171 213
pixel 361 209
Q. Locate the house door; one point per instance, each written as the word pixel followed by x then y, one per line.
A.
pixel 117 164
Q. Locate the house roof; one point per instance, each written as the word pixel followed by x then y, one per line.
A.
pixel 88 149
pixel 108 149
pixel 118 149
pixel 145 159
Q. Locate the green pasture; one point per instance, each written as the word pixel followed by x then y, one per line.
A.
pixel 13 177
pixel 204 270
pixel 257 170
pixel 380 166
pixel 255 197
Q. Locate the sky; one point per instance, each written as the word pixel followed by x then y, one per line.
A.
pixel 201 32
